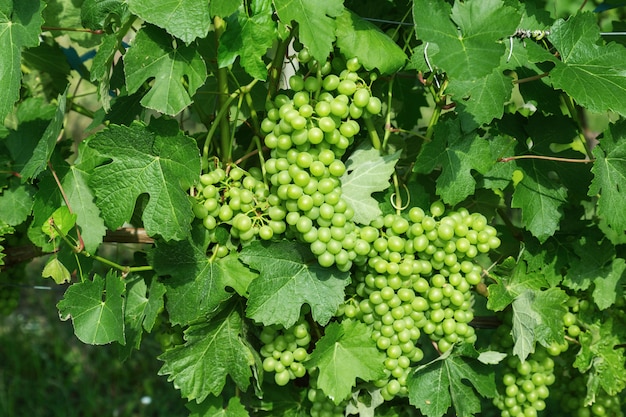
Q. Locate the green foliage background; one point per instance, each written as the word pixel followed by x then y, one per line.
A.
pixel 112 111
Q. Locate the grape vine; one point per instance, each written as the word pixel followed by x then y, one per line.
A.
pixel 328 208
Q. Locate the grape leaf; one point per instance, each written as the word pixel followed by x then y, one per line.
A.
pixel 212 407
pixel 223 8
pixel 20 27
pixel 540 198
pixel 524 321
pixel 593 261
pixel 512 279
pixel 16 203
pixel 143 305
pixel 607 288
pixel 178 70
pixel 451 379
pixel 249 37
pixel 599 357
pixel 345 352
pixel 481 100
pixel 457 154
pixel 591 73
pixel 198 285
pixel 99 14
pixel 316 26
pixel 288 278
pixel 158 160
pixel 57 271
pixel 360 38
pixel 185 19
pixel 467 34
pixel 364 404
pixel 367 171
pixel 537 317
pixel 96 309
pixel 609 180
pixel 45 146
pixel 212 350
pixel 81 199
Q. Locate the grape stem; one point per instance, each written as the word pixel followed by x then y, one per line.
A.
pixel 81 243
pixel 373 134
pixel 80 250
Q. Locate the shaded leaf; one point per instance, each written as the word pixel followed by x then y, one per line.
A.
pixel 375 50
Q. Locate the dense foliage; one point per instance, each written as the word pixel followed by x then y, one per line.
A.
pixel 328 208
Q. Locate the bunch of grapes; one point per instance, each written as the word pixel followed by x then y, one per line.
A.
pixel 239 199
pixel 285 350
pixel 307 135
pixel 526 384
pixel 415 278
pixel 571 400
pixel 321 405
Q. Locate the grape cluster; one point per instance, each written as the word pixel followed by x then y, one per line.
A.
pixel 526 384
pixel 415 278
pixel 285 350
pixel 9 291
pixel 307 135
pixel 322 406
pixel 239 199
pixel 571 400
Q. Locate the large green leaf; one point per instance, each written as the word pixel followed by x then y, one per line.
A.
pixel 211 351
pixel 602 358
pixel 467 35
pixel 592 73
pixel 375 50
pixel 540 197
pixel 457 154
pixel 45 146
pixel 451 380
pixel 198 285
pixel 185 19
pixel 289 277
pixel 609 180
pixel 16 203
pixel 158 160
pixel 316 26
pixel 96 309
pixel 177 71
pixel 345 352
pixel 367 171
pixel 20 26
pixel 249 37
